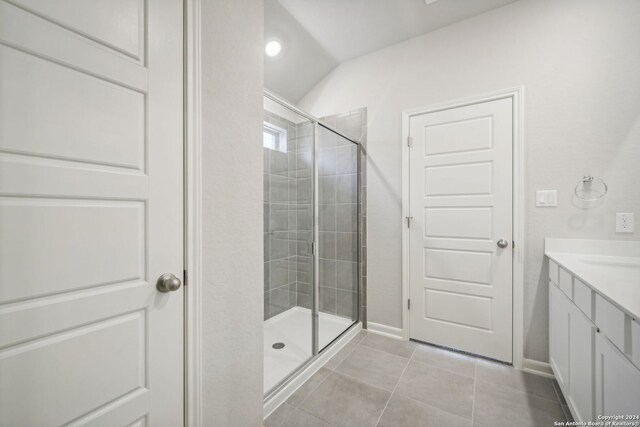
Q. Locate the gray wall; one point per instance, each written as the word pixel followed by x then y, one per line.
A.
pixel 579 62
pixel 232 48
pixel 288 215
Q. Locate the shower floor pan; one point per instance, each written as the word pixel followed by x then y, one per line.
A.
pixel 293 329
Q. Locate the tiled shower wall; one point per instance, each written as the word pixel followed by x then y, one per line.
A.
pixel 338 188
pixel 288 214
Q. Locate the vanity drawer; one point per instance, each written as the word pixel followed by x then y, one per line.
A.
pixel 565 282
pixel 635 342
pixel 610 320
pixel 553 271
pixel 582 297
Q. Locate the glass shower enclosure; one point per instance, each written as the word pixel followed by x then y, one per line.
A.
pixel 311 238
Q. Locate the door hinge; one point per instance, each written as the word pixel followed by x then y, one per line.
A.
pixel 408 218
pixel 185 276
pixel 409 304
pixel 409 141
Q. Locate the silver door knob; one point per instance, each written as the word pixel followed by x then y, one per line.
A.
pixel 502 243
pixel 168 283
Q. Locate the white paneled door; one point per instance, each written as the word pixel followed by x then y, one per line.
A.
pixel 460 236
pixel 91 212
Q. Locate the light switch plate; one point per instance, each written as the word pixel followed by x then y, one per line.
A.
pixel 625 223
pixel 547 198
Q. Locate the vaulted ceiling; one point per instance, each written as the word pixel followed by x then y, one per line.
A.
pixel 318 35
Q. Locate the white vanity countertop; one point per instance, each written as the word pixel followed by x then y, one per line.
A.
pixel 610 267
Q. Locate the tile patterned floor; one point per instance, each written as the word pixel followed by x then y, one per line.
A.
pixel 384 382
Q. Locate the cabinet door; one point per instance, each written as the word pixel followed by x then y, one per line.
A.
pixel 617 381
pixel 559 336
pixel 581 347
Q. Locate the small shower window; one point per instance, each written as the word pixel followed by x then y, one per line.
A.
pixel 274 137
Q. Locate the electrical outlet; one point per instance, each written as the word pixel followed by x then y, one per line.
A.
pixel 624 223
pixel 546 198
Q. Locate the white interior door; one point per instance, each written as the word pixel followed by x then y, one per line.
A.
pixel 90 212
pixel 461 203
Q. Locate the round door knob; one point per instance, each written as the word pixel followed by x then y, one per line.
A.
pixel 502 243
pixel 168 283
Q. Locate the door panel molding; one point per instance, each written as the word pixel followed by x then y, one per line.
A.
pixel 516 94
pixel 91 212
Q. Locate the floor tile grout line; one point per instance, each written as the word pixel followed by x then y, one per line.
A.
pixel 283 419
pixel 299 407
pixel 475 363
pixel 521 391
pixel 413 358
pixel 429 405
pixel 442 368
pixel 422 403
pixel 324 379
pixel 564 407
pixel 351 377
pixel 369 349
pixel 312 391
pixel 345 357
pixel 564 411
pixel 395 354
pixel 396 386
pixel 557 390
pixel 315 416
pixel 365 335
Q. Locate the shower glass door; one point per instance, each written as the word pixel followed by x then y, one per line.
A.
pixel 337 160
pixel 311 239
pixel 288 147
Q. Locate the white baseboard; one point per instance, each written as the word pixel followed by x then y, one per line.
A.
pixel 389 331
pixel 538 368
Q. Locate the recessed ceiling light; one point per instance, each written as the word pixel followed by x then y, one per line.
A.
pixel 273 47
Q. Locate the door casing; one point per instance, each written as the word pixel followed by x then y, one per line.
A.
pixel 517 96
pixel 193 215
